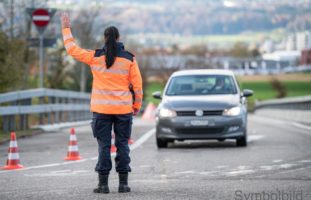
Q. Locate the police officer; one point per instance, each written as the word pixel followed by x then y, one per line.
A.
pixel 114 70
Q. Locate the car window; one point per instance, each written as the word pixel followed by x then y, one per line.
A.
pixel 201 85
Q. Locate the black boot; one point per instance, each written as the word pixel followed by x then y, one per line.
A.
pixel 102 184
pixel 123 184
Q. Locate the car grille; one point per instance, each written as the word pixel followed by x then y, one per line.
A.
pixel 199 130
pixel 205 113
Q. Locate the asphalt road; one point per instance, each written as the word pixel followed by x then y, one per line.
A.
pixel 276 162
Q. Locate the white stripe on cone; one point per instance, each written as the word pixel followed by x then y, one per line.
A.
pixel 73 148
pixel 41 18
pixel 73 138
pixel 13 144
pixel 13 156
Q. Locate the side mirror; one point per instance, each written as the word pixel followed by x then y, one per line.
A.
pixel 247 93
pixel 157 95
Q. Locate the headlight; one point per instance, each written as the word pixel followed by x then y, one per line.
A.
pixel 232 111
pixel 164 112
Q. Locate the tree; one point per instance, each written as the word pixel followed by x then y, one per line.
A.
pixel 58 75
pixel 83 28
pixel 11 63
pixel 241 50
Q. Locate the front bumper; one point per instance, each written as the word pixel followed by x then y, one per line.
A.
pixel 219 127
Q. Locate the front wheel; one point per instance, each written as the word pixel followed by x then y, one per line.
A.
pixel 241 142
pixel 162 143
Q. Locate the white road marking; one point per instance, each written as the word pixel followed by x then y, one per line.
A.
pixel 138 143
pixel 222 166
pixel 242 167
pixel 287 165
pixel 142 139
pixel 209 173
pixel 252 138
pixel 163 176
pixel 276 167
pixel 239 172
pixel 301 126
pixel 304 161
pixel 59 173
pixel 295 170
pixel 269 167
pixel 144 166
pixel 186 172
pixel 277 161
pixel 253 131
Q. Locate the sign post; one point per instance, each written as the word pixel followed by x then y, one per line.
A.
pixel 41 18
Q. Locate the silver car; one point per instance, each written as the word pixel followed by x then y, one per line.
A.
pixel 202 104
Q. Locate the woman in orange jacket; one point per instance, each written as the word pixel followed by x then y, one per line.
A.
pixel 114 71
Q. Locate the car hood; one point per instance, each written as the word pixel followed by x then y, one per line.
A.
pixel 206 102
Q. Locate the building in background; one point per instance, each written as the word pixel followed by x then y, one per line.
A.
pixel 298 41
pixel 305 57
pixel 290 43
pixel 302 40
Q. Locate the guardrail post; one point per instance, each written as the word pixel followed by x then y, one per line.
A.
pixel 56 113
pixel 50 112
pixel 24 117
pixel 12 118
pixel 6 124
pixel 41 115
pixel 61 113
pixel 12 123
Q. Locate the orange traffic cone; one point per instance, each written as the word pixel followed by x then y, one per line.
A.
pixel 149 113
pixel 13 155
pixel 73 151
pixel 113 148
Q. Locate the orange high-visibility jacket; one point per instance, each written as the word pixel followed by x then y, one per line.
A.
pixel 110 91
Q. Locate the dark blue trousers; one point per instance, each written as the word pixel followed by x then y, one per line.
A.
pixel 102 125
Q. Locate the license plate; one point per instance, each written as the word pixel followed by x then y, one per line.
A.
pixel 199 122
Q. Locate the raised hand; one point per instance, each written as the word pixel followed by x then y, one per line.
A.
pixel 65 20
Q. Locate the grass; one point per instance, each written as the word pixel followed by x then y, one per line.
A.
pixel 299 88
pixel 263 90
pixel 153 87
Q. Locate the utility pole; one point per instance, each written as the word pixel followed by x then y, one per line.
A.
pixel 26 58
pixel 41 77
pixel 11 19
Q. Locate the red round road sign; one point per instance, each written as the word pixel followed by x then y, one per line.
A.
pixel 41 17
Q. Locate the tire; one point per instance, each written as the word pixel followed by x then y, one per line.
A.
pixel 162 143
pixel 241 142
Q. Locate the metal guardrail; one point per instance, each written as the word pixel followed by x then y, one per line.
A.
pixel 47 105
pixel 296 109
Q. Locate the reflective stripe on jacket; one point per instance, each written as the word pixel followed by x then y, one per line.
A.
pixel 110 91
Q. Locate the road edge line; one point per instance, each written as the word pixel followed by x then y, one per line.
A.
pixel 299 125
pixel 135 145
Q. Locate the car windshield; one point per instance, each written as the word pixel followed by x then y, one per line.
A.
pixel 201 85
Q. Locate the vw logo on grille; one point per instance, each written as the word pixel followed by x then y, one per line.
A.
pixel 199 113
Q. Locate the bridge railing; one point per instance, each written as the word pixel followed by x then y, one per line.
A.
pixel 296 109
pixel 20 109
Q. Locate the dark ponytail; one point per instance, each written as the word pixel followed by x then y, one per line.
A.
pixel 111 37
